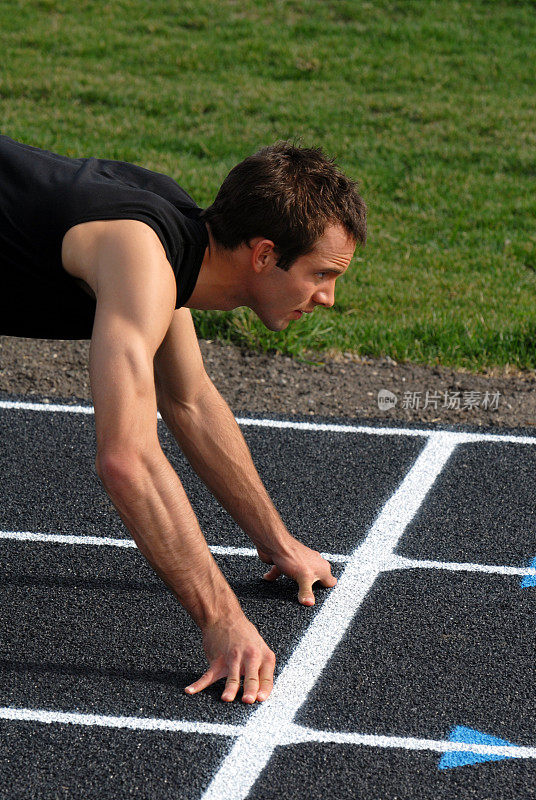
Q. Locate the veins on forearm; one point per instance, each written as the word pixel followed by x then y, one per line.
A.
pixel 215 447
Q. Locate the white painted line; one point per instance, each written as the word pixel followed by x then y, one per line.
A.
pixel 135 723
pixel 399 562
pixel 51 407
pixel 321 427
pixel 290 734
pixel 253 749
pixel 60 538
pixel 298 733
pixel 458 437
pixel 392 562
pixel 220 550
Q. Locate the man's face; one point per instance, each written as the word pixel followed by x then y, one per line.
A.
pixel 310 281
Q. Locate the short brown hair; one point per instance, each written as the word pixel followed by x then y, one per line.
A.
pixel 288 194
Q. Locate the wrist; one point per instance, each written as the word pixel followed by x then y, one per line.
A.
pixel 283 545
pixel 206 595
pixel 223 619
pixel 223 608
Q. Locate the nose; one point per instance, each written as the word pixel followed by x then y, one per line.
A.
pixel 325 297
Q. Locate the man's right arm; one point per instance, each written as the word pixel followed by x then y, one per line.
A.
pixel 135 290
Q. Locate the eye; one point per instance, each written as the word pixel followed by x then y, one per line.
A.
pixel 322 274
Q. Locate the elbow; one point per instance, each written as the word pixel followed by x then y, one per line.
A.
pixel 119 468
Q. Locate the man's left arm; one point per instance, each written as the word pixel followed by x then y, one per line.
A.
pixel 210 438
pixel 212 441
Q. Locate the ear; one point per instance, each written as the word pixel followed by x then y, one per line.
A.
pixel 263 254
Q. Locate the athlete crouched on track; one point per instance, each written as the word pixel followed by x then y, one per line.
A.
pixel 107 250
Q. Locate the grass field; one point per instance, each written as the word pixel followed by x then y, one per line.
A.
pixel 430 105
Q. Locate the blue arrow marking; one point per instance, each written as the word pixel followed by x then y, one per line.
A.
pixel 529 580
pixel 461 758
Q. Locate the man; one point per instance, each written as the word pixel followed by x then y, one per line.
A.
pixel 111 251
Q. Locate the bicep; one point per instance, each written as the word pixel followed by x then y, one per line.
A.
pixel 135 303
pixel 180 374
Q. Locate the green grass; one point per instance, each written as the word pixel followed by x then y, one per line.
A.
pixel 430 105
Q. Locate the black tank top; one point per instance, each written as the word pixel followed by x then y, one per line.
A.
pixel 42 195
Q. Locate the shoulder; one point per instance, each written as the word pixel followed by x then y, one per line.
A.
pixel 134 284
pixel 83 245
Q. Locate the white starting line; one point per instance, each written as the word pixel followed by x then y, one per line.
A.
pixel 291 734
pixel 458 437
pixel 391 563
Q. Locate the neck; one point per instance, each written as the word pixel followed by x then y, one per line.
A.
pixel 221 284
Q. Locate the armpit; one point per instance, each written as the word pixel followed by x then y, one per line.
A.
pixel 86 287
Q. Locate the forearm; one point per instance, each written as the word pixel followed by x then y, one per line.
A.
pixel 211 440
pixel 155 508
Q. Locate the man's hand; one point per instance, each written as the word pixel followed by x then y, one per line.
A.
pixel 235 648
pixel 303 565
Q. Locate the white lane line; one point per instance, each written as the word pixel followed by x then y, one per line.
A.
pixel 101 720
pixel 399 562
pixel 253 749
pixel 299 734
pixel 458 437
pixel 291 734
pixel 390 563
pixel 52 407
pixel 63 538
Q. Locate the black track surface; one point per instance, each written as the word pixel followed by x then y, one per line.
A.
pixel 93 630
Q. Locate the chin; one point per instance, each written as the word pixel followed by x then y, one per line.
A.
pixel 276 328
pixel 274 324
